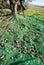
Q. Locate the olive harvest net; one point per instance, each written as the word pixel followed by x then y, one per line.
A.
pixel 22 40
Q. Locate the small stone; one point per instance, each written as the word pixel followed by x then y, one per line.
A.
pixel 26 38
pixel 32 49
pixel 25 51
pixel 1 57
pixel 2 43
pixel 18 43
pixel 14 49
pixel 29 50
pixel 12 57
pixel 39 56
pixel 6 40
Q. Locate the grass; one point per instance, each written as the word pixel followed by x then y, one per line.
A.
pixel 38 11
pixel 31 10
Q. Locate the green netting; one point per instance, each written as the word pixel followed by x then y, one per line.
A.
pixel 19 35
